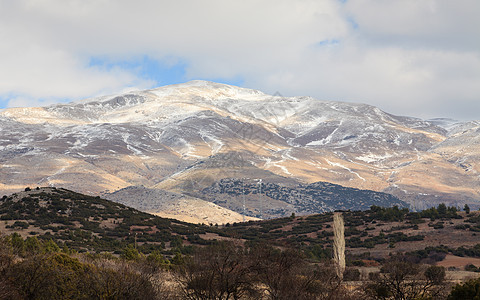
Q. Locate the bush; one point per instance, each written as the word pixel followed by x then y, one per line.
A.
pixel 351 274
pixel 61 276
pixel 466 291
pixel 471 268
pixel 56 276
pixel 19 224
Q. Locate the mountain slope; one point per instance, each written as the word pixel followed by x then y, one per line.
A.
pixel 268 200
pixel 172 205
pixel 161 139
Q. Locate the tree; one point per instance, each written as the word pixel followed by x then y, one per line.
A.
pixel 52 276
pixel 7 289
pixel 156 258
pixel 130 253
pixel 177 259
pixel 401 280
pixel 33 245
pixel 110 279
pixel 276 270
pixel 17 243
pixel 469 290
pixel 287 275
pixel 218 271
pixel 442 209
pixel 466 208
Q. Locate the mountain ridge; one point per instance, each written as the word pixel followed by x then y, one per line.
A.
pixel 156 138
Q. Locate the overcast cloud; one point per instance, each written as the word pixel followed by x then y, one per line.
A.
pixel 409 57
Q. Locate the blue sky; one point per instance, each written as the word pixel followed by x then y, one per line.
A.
pixel 410 57
pixel 157 71
pixel 145 67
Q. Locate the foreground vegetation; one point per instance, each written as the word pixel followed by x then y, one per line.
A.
pixel 58 244
pixel 34 269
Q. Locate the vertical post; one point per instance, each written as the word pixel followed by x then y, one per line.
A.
pixel 339 244
pixel 261 200
pixel 243 195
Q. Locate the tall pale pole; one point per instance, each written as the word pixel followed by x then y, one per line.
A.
pixel 261 199
pixel 243 195
pixel 339 244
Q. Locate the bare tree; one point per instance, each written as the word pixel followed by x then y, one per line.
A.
pixel 218 272
pixel 276 271
pixel 401 280
pixel 339 243
pixel 118 279
pixel 287 275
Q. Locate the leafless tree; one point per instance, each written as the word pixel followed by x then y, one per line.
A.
pixel 287 275
pixel 217 272
pixel 118 279
pixel 401 280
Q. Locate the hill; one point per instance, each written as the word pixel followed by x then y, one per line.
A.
pixel 87 223
pixel 174 205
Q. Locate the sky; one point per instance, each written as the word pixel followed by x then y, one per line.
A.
pixel 418 58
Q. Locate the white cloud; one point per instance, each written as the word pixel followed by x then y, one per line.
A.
pixel 408 57
pixel 410 23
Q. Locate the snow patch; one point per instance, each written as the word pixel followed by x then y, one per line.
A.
pixel 373 157
pixel 334 164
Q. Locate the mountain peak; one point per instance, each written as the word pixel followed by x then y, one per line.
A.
pixel 207 89
pixel 188 97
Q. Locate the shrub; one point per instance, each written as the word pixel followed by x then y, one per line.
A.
pixel 471 268
pixel 466 291
pixel 351 274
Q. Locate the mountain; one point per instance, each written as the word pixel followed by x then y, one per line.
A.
pixel 184 139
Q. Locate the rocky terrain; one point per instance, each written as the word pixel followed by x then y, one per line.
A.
pixel 184 139
pixel 280 200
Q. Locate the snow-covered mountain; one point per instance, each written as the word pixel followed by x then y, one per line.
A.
pixel 165 138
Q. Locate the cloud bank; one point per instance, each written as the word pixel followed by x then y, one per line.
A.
pixel 419 58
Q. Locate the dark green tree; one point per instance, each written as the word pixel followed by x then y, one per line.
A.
pixel 130 253
pixel 469 290
pixel 442 209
